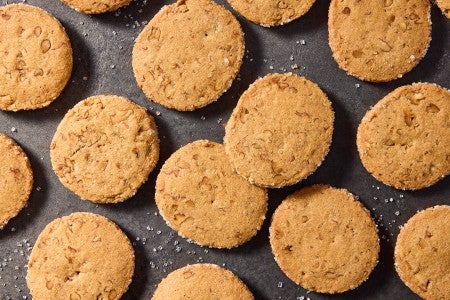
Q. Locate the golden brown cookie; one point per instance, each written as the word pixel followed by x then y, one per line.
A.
pixel 444 5
pixel 324 239
pixel 203 199
pixel 80 256
pixel 97 6
pixel 36 57
pixel 280 130
pixel 189 54
pixel 104 148
pixel 404 140
pixel 379 40
pixel 202 281
pixel 271 12
pixel 422 253
pixel 16 179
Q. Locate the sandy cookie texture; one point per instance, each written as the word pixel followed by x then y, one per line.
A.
pixel 404 140
pixel 96 6
pixel 280 130
pixel 444 5
pixel 202 281
pixel 80 256
pixel 379 40
pixel 16 179
pixel 324 239
pixel 271 12
pixel 36 58
pixel 422 253
pixel 188 54
pixel 203 199
pixel 104 148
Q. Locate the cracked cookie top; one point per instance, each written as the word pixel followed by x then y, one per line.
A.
pixel 104 148
pixel 35 58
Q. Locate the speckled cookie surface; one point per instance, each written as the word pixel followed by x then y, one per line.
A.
pixel 202 281
pixel 272 12
pixel 104 148
pixel 96 6
pixel 185 64
pixel 80 256
pixel 422 253
pixel 203 199
pixel 444 5
pixel 16 179
pixel 379 40
pixel 36 57
pixel 404 140
pixel 280 130
pixel 324 239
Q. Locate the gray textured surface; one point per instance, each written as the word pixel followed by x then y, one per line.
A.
pixel 102 52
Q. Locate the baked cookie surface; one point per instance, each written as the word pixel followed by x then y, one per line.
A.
pixel 422 253
pixel 80 256
pixel 280 131
pixel 188 54
pixel 324 239
pixel 104 148
pixel 271 12
pixel 200 196
pixel 36 58
pixel 97 6
pixel 379 40
pixel 16 179
pixel 202 281
pixel 444 5
pixel 404 140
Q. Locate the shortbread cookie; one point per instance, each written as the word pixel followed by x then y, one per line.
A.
pixel 404 140
pixel 16 179
pixel 280 130
pixel 188 54
pixel 379 40
pixel 202 281
pixel 97 6
pixel 80 256
pixel 271 12
pixel 324 239
pixel 203 199
pixel 422 253
pixel 444 5
pixel 105 148
pixel 36 57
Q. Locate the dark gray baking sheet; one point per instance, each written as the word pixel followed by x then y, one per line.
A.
pixel 102 64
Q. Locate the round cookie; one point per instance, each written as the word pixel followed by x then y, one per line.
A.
pixel 379 40
pixel 203 199
pixel 404 140
pixel 16 179
pixel 186 65
pixel 444 5
pixel 422 253
pixel 96 7
pixel 80 256
pixel 324 239
pixel 36 58
pixel 202 281
pixel 104 148
pixel 272 12
pixel 280 131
